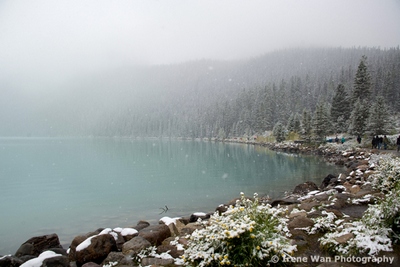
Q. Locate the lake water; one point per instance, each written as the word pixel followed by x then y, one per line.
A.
pixel 71 186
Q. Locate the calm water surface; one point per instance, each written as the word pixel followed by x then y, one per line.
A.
pixel 76 185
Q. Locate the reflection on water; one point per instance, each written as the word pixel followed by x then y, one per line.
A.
pixel 71 186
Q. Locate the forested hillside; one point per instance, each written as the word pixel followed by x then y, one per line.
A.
pixel 206 98
pixel 225 99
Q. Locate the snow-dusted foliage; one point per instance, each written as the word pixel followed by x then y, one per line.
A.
pixel 379 227
pixel 388 176
pixel 248 234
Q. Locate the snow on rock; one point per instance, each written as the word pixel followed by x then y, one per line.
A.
pixel 129 231
pixel 167 220
pixel 118 229
pixel 86 243
pixel 37 262
pixel 313 192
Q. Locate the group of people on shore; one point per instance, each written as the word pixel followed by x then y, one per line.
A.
pixel 379 142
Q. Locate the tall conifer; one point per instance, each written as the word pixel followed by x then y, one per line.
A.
pixel 362 82
pixel 341 109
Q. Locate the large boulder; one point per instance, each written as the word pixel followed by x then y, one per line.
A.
pixel 58 261
pixel 94 249
pixel 304 188
pixel 36 245
pixel 10 261
pixel 135 245
pixel 155 234
pixel 330 179
pixel 48 259
pixel 119 257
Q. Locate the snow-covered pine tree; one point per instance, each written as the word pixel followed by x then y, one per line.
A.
pixel 379 118
pixel 362 82
pixel 279 132
pixel 359 118
pixel 340 110
pixel 321 122
pixel 306 124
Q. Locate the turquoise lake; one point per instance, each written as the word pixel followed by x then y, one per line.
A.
pixel 71 186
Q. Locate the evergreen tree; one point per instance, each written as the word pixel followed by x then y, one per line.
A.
pixel 306 125
pixel 358 118
pixel 379 118
pixel 279 132
pixel 340 110
pixel 290 126
pixel 294 124
pixel 297 123
pixel 362 82
pixel 321 122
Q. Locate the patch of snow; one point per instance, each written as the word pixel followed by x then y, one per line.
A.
pixel 85 243
pixel 164 255
pixel 128 231
pixel 313 192
pixel 37 262
pixel 167 220
pixel 105 231
pixel 180 247
pixel 199 214
pixel 340 187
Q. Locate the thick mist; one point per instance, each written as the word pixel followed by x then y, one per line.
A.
pixel 77 68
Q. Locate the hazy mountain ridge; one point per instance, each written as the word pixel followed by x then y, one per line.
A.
pixel 174 100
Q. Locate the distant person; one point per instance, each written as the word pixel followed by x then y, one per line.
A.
pixel 385 142
pixel 374 142
pixel 337 140
pixel 380 142
pixel 359 139
pixel 398 143
pixel 343 139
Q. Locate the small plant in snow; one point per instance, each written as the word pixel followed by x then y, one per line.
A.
pixel 323 224
pixel 248 234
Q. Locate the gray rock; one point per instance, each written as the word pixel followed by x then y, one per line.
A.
pixel 284 201
pixel 195 217
pixel 100 246
pixel 141 225
pixel 304 188
pixel 329 179
pixel 10 261
pixel 172 250
pixel 135 245
pixel 36 245
pixel 91 264
pixel 59 261
pixel 118 257
pixel 155 234
pixel 156 262
pixel 190 228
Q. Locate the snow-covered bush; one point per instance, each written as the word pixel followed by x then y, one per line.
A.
pixel 248 234
pixel 387 177
pixel 323 223
pixel 379 226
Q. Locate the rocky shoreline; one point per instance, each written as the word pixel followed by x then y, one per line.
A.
pixel 346 196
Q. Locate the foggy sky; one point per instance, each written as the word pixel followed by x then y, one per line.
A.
pixel 54 40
